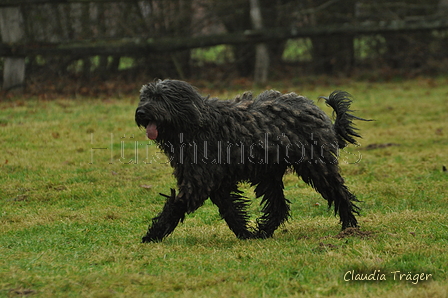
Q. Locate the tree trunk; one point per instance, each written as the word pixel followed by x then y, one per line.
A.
pixel 238 21
pixel 261 49
pixel 334 53
pixel 11 27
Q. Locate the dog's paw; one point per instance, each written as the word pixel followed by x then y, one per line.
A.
pixel 246 235
pixel 148 239
pixel 263 234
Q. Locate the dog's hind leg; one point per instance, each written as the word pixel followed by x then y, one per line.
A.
pixel 164 224
pixel 327 181
pixel 275 206
pixel 232 208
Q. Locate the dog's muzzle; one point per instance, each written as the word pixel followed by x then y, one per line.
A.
pixel 150 126
pixel 140 118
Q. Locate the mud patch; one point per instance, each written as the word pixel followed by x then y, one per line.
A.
pixel 380 146
pixel 21 292
pixel 353 232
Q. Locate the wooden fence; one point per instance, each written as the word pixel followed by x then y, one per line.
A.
pixel 15 49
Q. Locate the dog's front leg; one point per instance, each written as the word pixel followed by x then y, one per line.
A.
pixel 164 224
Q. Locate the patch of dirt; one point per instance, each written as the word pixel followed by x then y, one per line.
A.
pixel 21 292
pixel 356 232
pixel 327 245
pixel 380 146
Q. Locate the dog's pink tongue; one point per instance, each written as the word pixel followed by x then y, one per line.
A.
pixel 151 131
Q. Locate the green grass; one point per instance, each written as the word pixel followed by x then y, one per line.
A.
pixel 298 50
pixel 71 217
pixel 218 54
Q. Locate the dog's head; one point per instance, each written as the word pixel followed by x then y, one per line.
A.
pixel 169 107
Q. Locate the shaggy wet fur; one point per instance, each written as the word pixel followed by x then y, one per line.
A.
pixel 215 144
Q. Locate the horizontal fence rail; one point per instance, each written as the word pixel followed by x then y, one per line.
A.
pixel 137 46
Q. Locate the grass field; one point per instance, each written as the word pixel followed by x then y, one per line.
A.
pixel 80 183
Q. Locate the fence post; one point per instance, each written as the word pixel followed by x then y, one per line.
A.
pixel 261 49
pixel 12 31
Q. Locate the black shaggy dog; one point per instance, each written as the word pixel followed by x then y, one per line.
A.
pixel 215 144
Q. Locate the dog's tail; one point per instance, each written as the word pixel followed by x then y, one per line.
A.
pixel 343 125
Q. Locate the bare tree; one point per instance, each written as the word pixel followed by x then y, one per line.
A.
pixel 11 26
pixel 333 53
pixel 403 50
pixel 261 49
